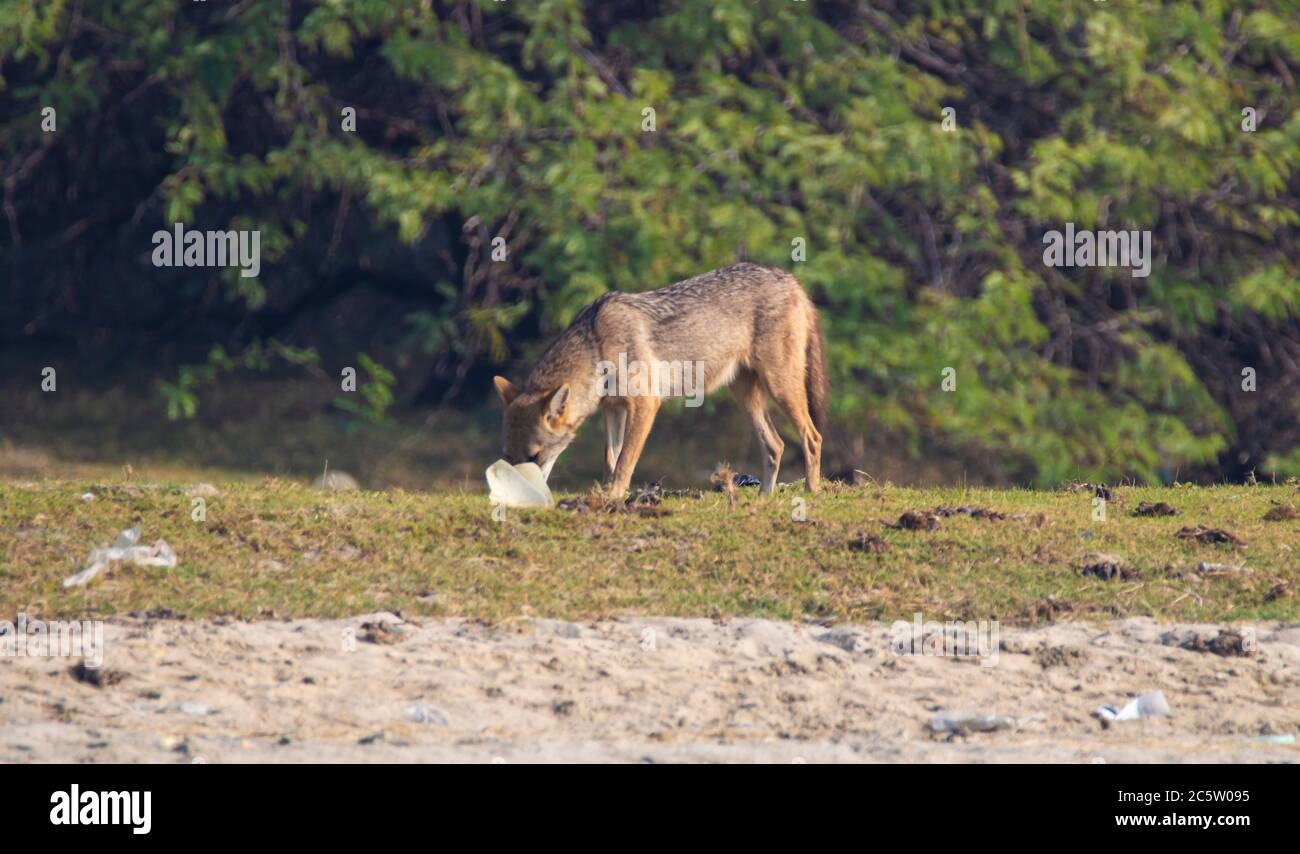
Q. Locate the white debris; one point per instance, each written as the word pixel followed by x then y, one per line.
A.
pixel 518 486
pixel 125 548
pixel 1150 705
pixel 1206 568
pixel 422 713
pixel 199 709
pixel 87 496
pixel 962 723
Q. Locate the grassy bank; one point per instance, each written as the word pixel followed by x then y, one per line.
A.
pixel 278 549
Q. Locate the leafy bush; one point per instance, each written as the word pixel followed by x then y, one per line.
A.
pixel 773 121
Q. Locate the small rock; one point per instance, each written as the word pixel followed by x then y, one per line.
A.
pixel 384 634
pixel 100 677
pixel 1227 643
pixel 1106 566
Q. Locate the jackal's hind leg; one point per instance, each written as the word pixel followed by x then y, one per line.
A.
pixel 748 392
pixel 794 400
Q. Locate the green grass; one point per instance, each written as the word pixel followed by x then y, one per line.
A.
pixel 277 549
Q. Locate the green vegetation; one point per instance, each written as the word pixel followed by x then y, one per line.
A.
pixel 773 121
pixel 278 549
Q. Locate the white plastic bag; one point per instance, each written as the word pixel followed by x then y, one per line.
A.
pixel 1150 705
pixel 518 486
pixel 124 548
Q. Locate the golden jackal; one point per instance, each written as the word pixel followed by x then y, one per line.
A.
pixel 750 327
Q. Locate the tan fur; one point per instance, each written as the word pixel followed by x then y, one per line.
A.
pixel 752 327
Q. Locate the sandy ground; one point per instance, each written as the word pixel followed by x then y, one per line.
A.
pixel 640 689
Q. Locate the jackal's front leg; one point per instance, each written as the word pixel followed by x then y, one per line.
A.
pixel 640 418
pixel 615 428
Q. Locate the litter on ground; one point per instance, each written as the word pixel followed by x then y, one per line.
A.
pixel 422 713
pixel 125 548
pixel 962 723
pixel 1150 705
pixel 517 486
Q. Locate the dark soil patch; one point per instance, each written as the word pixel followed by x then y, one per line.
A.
pixel 1159 508
pixel 1208 536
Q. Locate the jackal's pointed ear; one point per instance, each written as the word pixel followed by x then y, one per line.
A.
pixel 557 405
pixel 506 389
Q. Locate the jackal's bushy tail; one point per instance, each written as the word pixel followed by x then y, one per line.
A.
pixel 817 382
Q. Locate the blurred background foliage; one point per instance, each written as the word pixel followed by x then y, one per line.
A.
pixel 775 120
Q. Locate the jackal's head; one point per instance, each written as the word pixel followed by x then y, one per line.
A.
pixel 537 424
